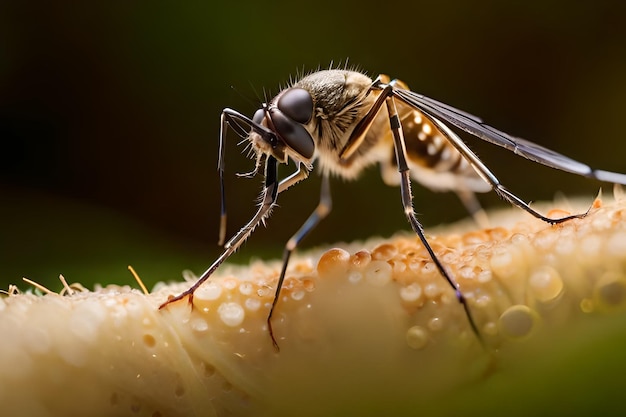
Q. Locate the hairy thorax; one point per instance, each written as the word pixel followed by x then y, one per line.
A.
pixel 342 98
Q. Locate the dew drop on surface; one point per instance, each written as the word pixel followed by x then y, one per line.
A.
pixel 517 321
pixel 411 293
pixel 467 272
pixel 354 277
pixel 252 304
pixel 610 291
pixel 361 258
pixel 484 276
pixel 230 284
pixel 208 291
pixel 399 267
pixel 483 301
pixel 231 314
pixel 384 252
pixel 297 295
pixel 503 262
pixel 546 239
pixel 431 290
pixel 545 284
pixel 378 273
pixel 586 305
pixel 333 261
pixel 198 324
pixel 435 324
pixel 246 288
pixel 417 337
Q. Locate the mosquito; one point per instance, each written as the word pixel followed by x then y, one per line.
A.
pixel 345 121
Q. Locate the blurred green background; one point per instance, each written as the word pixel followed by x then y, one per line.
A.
pixel 109 117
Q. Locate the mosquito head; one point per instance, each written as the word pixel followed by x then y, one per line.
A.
pixel 286 116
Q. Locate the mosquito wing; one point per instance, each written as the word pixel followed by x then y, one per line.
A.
pixel 475 126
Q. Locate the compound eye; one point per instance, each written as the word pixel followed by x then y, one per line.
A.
pixel 294 134
pixel 297 104
pixel 258 116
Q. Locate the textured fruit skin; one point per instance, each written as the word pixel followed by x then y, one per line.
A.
pixel 366 329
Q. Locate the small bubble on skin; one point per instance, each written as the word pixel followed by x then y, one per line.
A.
pixel 586 305
pixel 435 324
pixel 518 238
pixel 467 272
pixel 308 284
pixel 417 337
pixel 361 259
pixel 333 261
pixel 198 324
pixel 484 276
pixel 297 295
pixel 545 284
pixel 483 301
pixel 411 293
pixel 209 291
pixel 246 288
pixel 230 284
pixel 378 273
pixel 610 292
pixel 355 277
pixel 431 290
pixel 399 267
pixel 449 257
pixel 517 321
pixel 252 304
pixel 231 314
pixel 264 292
pixel 545 239
pixel 475 237
pixel 498 234
pixel 503 262
pixel 385 252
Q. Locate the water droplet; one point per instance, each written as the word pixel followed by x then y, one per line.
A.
pixel 208 291
pixel 231 314
pixel 545 284
pixel 417 337
pixel 610 291
pixel 411 293
pixel 517 321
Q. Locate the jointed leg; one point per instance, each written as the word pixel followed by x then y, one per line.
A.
pixel 321 211
pixel 270 194
pixel 490 178
pixel 407 202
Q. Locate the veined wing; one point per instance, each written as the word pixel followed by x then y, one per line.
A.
pixel 476 127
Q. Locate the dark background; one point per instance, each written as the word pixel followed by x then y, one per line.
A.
pixel 109 117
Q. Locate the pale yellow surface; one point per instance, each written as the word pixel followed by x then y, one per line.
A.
pixel 368 329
